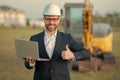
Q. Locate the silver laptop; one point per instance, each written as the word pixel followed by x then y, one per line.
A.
pixel 26 48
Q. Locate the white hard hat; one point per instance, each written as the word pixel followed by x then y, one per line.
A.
pixel 52 9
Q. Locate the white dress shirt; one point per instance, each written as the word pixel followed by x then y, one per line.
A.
pixel 49 41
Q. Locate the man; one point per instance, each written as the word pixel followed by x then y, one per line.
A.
pixel 56 46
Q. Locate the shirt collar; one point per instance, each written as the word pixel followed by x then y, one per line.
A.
pixel 48 35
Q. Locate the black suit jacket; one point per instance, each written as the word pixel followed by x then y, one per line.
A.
pixel 56 68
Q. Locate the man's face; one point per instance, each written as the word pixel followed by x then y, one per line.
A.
pixel 51 22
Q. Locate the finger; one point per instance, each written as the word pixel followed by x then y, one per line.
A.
pixel 62 54
pixel 67 47
pixel 27 58
pixel 65 58
pixel 32 61
pixel 24 58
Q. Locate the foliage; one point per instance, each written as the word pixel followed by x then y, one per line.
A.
pixel 111 18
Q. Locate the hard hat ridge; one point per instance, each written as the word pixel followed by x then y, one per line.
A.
pixel 52 9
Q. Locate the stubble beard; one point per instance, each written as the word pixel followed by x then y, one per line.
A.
pixel 51 29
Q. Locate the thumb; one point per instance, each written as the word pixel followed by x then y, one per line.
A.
pixel 67 48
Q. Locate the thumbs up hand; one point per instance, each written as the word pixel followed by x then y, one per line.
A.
pixel 67 54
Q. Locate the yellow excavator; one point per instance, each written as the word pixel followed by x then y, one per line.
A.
pixel 95 37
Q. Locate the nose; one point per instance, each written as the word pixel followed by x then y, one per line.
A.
pixel 51 21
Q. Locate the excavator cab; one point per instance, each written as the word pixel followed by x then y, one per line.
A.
pixel 74 20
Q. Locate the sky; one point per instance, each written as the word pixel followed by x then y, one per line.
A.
pixel 34 8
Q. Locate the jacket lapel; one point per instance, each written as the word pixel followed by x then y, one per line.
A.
pixel 42 48
pixel 58 43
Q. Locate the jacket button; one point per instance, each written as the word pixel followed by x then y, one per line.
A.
pixel 51 71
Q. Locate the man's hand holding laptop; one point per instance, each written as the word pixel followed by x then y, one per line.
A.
pixel 30 61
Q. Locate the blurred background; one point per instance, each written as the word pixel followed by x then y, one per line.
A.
pixel 23 18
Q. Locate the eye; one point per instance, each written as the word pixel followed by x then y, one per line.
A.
pixel 51 19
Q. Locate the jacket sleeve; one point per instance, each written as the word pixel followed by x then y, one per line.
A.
pixel 79 51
